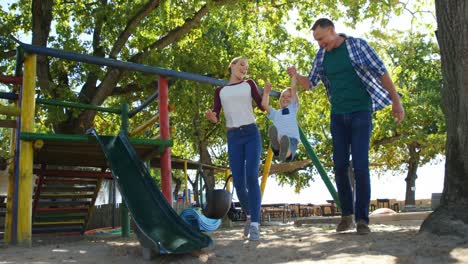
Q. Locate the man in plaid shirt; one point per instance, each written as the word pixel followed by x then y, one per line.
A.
pixel 357 84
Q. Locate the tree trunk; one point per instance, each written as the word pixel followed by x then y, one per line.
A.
pixel 451 217
pixel 411 177
pixel 206 159
pixel 178 185
pixel 41 21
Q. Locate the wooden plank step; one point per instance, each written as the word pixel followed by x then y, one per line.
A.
pixel 72 209
pixel 68 188
pixel 66 196
pixel 53 218
pixel 61 213
pixel 79 222
pixel 62 203
pixel 69 180
pixel 75 174
pixel 66 230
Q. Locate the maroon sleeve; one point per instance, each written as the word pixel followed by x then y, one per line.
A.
pixel 217 102
pixel 255 94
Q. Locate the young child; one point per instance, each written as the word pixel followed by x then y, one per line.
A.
pixel 284 133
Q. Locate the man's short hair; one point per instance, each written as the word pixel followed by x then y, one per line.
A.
pixel 323 23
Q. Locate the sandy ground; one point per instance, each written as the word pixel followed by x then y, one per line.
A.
pixel 398 242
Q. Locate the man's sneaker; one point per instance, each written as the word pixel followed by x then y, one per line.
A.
pixel 362 228
pixel 347 223
pixel 273 134
pixel 284 147
pixel 254 233
pixel 247 227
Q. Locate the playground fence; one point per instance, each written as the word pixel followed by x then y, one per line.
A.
pixel 104 216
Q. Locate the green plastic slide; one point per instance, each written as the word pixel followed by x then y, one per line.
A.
pixel 160 227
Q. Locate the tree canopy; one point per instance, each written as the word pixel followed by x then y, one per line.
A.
pixel 192 36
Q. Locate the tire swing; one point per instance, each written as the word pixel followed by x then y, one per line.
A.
pixel 218 201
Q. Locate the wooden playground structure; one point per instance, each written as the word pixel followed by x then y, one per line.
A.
pixel 63 196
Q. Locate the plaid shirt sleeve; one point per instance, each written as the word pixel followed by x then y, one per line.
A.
pixel 370 68
pixel 371 59
pixel 315 73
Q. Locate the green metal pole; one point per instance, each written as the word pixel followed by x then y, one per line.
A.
pixel 124 217
pixel 321 170
pixel 88 138
pixel 77 105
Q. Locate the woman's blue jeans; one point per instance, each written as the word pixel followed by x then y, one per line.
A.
pixel 244 148
pixel 351 134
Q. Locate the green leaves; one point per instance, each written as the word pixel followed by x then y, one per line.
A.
pixel 202 37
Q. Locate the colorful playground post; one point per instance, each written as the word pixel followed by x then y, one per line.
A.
pixel 266 170
pixel 23 236
pixel 124 217
pixel 164 130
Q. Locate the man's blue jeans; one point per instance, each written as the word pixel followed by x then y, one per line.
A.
pixel 351 135
pixel 244 148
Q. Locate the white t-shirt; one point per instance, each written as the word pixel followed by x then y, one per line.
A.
pixel 285 120
pixel 236 101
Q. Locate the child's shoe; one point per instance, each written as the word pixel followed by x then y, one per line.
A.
pixel 284 147
pixel 273 134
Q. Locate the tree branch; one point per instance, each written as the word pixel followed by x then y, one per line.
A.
pixel 41 22
pixel 89 87
pixel 384 141
pixel 175 34
pixel 131 26
pixel 289 167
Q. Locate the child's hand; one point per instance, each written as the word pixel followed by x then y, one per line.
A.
pixel 267 88
pixel 210 115
pixel 293 80
pixel 292 71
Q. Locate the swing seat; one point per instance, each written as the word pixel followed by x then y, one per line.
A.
pixel 218 203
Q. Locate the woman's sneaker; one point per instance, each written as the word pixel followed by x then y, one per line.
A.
pixel 284 147
pixel 247 227
pixel 273 134
pixel 254 233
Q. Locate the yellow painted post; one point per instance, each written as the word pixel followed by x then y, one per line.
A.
pixel 186 184
pixel 26 152
pixel 144 126
pixel 266 170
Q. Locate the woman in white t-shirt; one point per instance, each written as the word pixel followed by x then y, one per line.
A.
pixel 243 138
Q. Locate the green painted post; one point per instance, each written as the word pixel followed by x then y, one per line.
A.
pixel 318 165
pixel 124 217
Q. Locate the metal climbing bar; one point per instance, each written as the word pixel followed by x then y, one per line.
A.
pixel 320 169
pixel 77 105
pixel 73 56
pixel 143 126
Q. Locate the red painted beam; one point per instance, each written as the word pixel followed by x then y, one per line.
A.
pixel 11 79
pixel 76 174
pixel 62 209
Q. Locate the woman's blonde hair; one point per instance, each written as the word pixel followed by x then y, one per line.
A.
pixel 235 61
